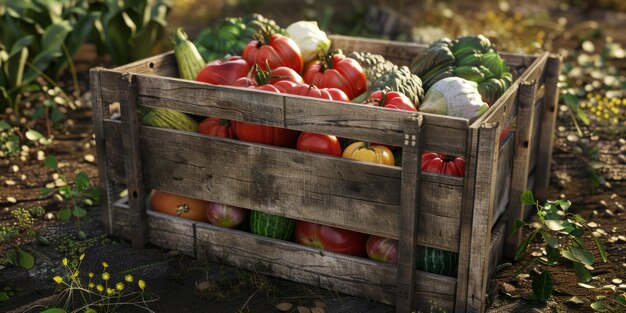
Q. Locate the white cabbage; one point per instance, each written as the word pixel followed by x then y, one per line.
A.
pixel 454 96
pixel 309 38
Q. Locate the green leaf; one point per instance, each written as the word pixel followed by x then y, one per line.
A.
pixel 555 225
pixel 542 286
pixel 33 135
pixel 564 204
pixel 26 260
pixel 21 43
pixel 550 240
pixel 64 214
pixel 517 226
pixel 54 36
pixel 54 310
pixel 553 254
pixel 528 198
pixel 601 249
pixel 56 115
pixel 597 306
pixel 568 255
pixel 46 191
pixel 4 125
pixel 51 162
pixel 79 212
pixel 524 245
pixel 4 296
pixel 582 272
pixel 82 181
pixel 11 256
pixel 584 256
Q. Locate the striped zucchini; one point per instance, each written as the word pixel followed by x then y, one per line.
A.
pixel 166 118
pixel 272 226
pixel 437 261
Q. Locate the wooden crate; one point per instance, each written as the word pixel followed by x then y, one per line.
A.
pixel 508 151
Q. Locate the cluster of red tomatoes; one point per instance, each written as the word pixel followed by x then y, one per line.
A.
pixel 274 64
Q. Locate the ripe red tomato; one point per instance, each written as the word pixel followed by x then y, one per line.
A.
pixel 275 50
pixel 443 164
pixel 224 72
pixel 337 71
pixel 391 100
pixel 322 93
pixel 215 126
pixel 282 73
pixel 382 249
pixel 330 238
pixel 250 83
pixel 176 205
pixel 319 143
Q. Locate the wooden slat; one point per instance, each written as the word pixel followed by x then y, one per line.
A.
pixel 132 162
pixel 114 151
pixel 99 113
pixel 341 273
pixel 548 120
pixel 481 222
pixel 408 217
pixel 504 169
pixel 523 142
pixel 496 248
pixel 467 213
pixel 171 232
pixel 535 133
pixel 163 64
pixel 236 181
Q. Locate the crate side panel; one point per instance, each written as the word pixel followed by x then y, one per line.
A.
pixel 114 151
pixel 400 53
pixel 171 232
pixel 341 273
pixel 536 140
pixel 503 178
pixel 164 64
pixel 498 236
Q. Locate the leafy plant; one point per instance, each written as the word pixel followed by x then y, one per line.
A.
pixel 100 293
pixel 562 233
pixel 22 228
pixel 9 140
pixel 75 196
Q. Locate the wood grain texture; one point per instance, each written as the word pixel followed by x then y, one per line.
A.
pixel 132 161
pixel 548 120
pixel 496 247
pixel 163 64
pixel 99 113
pixel 504 169
pixel 521 161
pixel 535 134
pixel 322 189
pixel 408 218
pixel 333 271
pixel 481 221
pixel 171 232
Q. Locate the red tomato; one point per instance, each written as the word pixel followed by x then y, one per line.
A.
pixel 330 238
pixel 250 83
pixel 284 85
pixel 224 72
pixel 215 126
pixel 322 93
pixel 382 249
pixel 337 71
pixel 443 164
pixel 391 100
pixel 176 205
pixel 319 143
pixel 282 73
pixel 275 50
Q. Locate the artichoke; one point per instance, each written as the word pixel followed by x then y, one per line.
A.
pixel 399 79
pixel 374 65
pixel 470 57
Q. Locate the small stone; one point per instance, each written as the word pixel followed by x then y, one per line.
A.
pixel 15 168
pixel 41 157
pixel 57 197
pixel 561 129
pixel 23 177
pixel 608 214
pixel 9 182
pixel 613 239
pixel 49 216
pixel 536 253
pixel 22 158
pixel 622 158
pixel 303 309
pixel 50 185
pixel 523 275
pixel 621 238
pixel 611 287
pixel 592 224
pixel 87 145
pixel 11 199
pixel 509 289
pixel 59 182
pixel 613 196
pixel 586 286
pixel 576 300
pixel 622 286
pixel 284 307
pixel 320 304
pixel 55 176
pixel 602 232
pixel 594 214
pixel 596 234
pixel 602 205
pixel 619 208
pixel 617 281
pixel 90 158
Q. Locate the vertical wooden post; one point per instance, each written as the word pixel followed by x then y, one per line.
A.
pixel 467 213
pixel 132 162
pixel 546 132
pixel 486 162
pixel 521 160
pixel 100 112
pixel 409 214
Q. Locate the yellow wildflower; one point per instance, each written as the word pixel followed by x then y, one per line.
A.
pixel 100 287
pixel 141 284
pixel 105 276
pixel 110 291
pixel 105 264
pixel 91 285
pixel 119 286
pixel 58 279
pixel 64 261
pixel 129 278
pixel 90 274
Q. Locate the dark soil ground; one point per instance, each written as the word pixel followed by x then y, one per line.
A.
pixel 182 284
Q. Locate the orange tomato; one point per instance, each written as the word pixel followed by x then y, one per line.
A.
pixel 176 205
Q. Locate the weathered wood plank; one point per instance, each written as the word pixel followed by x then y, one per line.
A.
pixel 112 142
pixel 523 141
pixel 163 64
pixel 496 247
pixel 99 113
pixel 171 232
pixel 548 120
pixel 408 217
pixel 481 221
pixel 535 134
pixel 132 162
pixel 230 174
pixel 467 213
pixel 504 169
pixel 341 273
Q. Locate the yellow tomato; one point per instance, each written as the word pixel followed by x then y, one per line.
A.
pixel 365 152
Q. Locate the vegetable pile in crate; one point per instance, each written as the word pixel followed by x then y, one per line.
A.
pixel 304 169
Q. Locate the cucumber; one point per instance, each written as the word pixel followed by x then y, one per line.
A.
pixel 166 118
pixel 437 261
pixel 272 226
pixel 189 60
